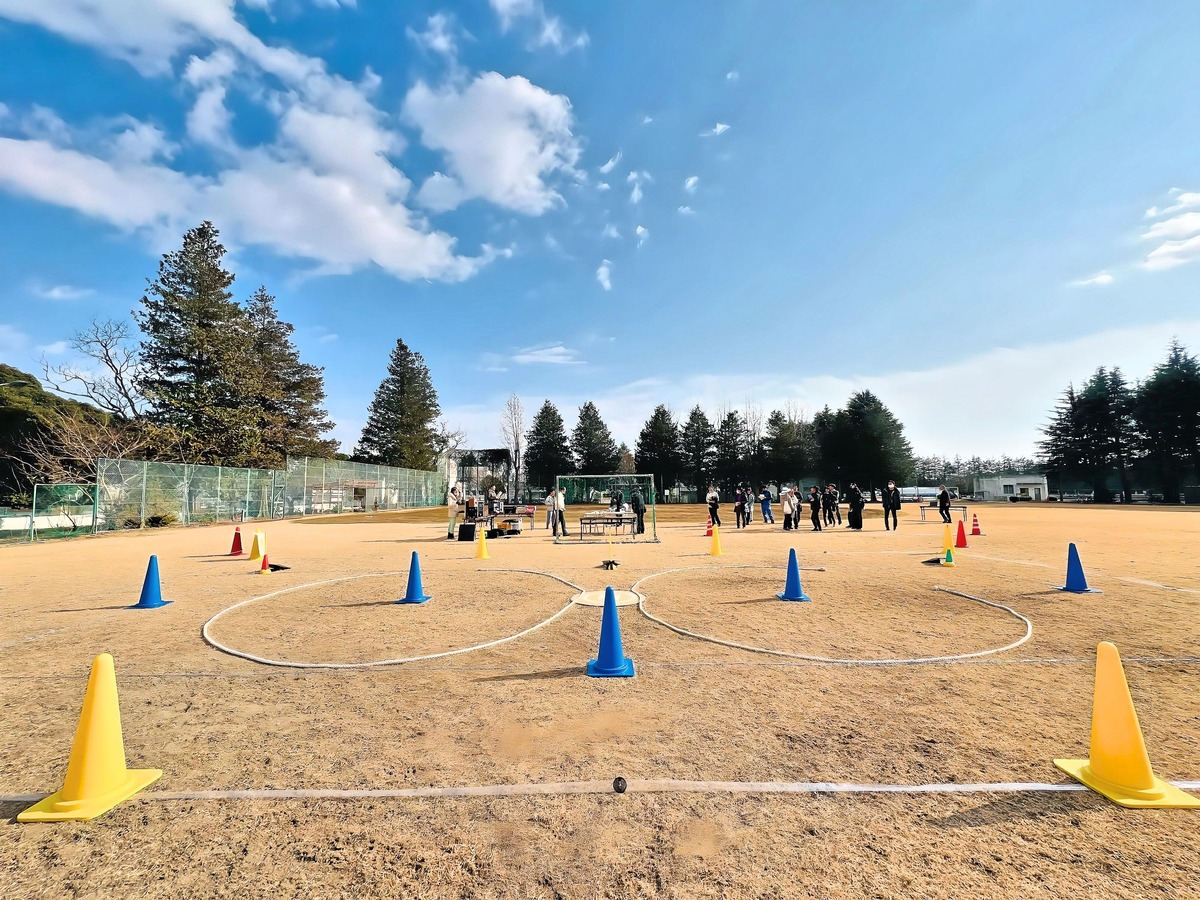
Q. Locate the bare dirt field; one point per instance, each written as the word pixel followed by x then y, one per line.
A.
pixel 522 712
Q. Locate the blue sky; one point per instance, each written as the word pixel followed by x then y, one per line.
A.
pixel 961 206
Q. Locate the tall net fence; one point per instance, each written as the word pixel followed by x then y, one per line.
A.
pixel 602 507
pixel 138 494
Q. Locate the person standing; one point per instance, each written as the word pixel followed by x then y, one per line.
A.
pixel 891 505
pixel 739 508
pixel 551 510
pixel 788 504
pixel 835 504
pixel 814 507
pixel 639 509
pixel 453 499
pixel 616 499
pixel 765 498
pixel 944 504
pixel 493 496
pixel 714 505
pixel 560 512
pixel 854 497
pixel 827 503
pixel 749 494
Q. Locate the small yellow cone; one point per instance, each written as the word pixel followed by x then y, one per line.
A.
pixel 259 548
pixel 716 542
pixel 948 558
pixel 97 779
pixel 1117 765
pixel 947 540
pixel 482 552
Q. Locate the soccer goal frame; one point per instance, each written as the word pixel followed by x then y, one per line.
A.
pixel 590 495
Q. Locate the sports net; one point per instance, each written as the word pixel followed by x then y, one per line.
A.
pixel 62 510
pixel 591 512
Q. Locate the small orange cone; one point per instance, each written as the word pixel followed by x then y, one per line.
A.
pixel 1117 765
pixel 266 566
pixel 975 532
pixel 708 528
pixel 236 549
pixel 97 779
pixel 960 542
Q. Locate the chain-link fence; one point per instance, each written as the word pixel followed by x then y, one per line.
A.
pixel 138 494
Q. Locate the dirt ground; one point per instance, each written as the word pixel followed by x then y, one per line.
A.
pixel 523 712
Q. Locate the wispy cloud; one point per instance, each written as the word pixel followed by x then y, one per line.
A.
pixel 732 75
pixel 611 164
pixel 1178 235
pixel 604 275
pixel 1183 200
pixel 548 31
pixel 1180 226
pixel 718 129
pixel 327 338
pixel 556 354
pixel 61 292
pixel 643 234
pixel 637 179
pixel 686 211
pixel 1100 278
pixel 610 231
pixel 603 186
pixel 689 183
pixel 646 120
pixel 55 349
pixel 438 36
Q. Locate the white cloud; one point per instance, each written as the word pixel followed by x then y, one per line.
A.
pixel 689 183
pixel 14 343
pixel 327 338
pixel 1172 253
pixel 1100 278
pixel 643 234
pixel 511 10
pixel 555 354
pixel 610 231
pixel 637 179
pixel 686 211
pixel 61 292
pixel 1180 226
pixel 55 349
pixel 1183 200
pixel 502 137
pixel 718 129
pixel 732 76
pixel 603 186
pixel 646 120
pixel 608 166
pixel 1179 241
pixel 549 30
pixel 142 142
pixel 438 36
pixel 604 275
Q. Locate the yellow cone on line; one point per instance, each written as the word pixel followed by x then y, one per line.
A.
pixel 1117 765
pixel 481 551
pixel 97 779
pixel 947 540
pixel 715 550
pixel 259 548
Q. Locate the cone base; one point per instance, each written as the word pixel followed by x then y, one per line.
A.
pixel 624 670
pixel 1170 797
pixel 140 605
pixel 55 809
pixel 419 599
pixel 1077 590
pixel 803 598
pixel 948 565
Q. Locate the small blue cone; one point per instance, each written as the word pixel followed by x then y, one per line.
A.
pixel 792 589
pixel 611 661
pixel 1076 580
pixel 151 590
pixel 415 593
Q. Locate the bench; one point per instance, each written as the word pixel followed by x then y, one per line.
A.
pixel 933 507
pixel 598 525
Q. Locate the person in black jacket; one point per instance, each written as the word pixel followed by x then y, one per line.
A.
pixel 639 509
pixel 944 503
pixel 854 497
pixel 891 504
pixel 814 506
pixel 714 505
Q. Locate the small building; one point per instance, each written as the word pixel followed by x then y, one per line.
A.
pixel 1011 487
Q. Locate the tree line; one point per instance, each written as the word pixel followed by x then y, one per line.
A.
pixel 1108 435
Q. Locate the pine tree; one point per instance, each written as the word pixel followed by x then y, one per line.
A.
pixel 863 443
pixel 696 440
pixel 730 459
pixel 658 450
pixel 592 443
pixel 626 464
pixel 289 392
pixel 546 452
pixel 787 448
pixel 401 421
pixel 195 350
pixel 1167 410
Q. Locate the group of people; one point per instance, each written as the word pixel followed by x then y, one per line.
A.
pixel 824 506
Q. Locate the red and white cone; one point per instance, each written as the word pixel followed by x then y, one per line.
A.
pixel 708 529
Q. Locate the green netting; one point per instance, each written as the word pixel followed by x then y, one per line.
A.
pixel 589 495
pixel 62 510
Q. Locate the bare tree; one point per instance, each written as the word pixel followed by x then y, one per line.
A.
pixel 512 433
pixel 110 386
pixel 66 450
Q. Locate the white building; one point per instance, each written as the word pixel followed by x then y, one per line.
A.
pixel 1008 487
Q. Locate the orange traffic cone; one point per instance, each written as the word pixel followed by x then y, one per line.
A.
pixel 236 549
pixel 975 532
pixel 960 542
pixel 266 566
pixel 708 529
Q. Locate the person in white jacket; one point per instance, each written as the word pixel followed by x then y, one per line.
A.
pixel 788 501
pixel 551 510
pixel 453 498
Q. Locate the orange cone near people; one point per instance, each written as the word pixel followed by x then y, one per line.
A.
pixel 97 779
pixel 975 532
pixel 266 566
pixel 1117 765
pixel 708 528
pixel 236 549
pixel 960 542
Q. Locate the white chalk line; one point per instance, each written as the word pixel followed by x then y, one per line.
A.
pixel 917 660
pixel 266 661
pixel 633 785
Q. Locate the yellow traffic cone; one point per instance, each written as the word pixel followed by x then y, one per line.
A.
pixel 259 548
pixel 97 779
pixel 1117 765
pixel 947 540
pixel 482 552
pixel 948 556
pixel 716 542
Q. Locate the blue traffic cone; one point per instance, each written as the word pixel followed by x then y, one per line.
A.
pixel 1076 580
pixel 611 661
pixel 792 590
pixel 415 593
pixel 151 590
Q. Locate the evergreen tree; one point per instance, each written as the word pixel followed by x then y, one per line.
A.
pixel 546 452
pixel 1106 416
pixel 289 392
pixel 401 421
pixel 1060 451
pixel 863 443
pixel 658 450
pixel 697 439
pixel 626 464
pixel 730 456
pixel 195 350
pixel 1167 410
pixel 592 443
pixel 787 448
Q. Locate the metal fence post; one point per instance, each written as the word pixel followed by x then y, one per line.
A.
pixel 142 513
